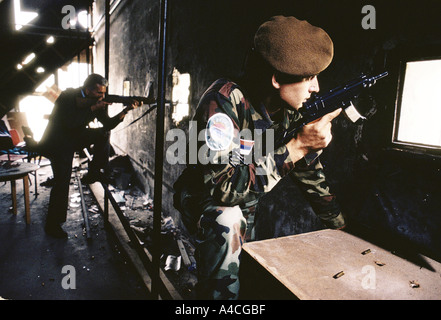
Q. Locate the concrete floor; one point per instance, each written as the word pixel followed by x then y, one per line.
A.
pixel 31 262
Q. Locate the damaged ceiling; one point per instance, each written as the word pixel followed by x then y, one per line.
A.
pixel 32 38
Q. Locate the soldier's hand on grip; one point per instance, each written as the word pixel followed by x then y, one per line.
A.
pixel 100 105
pixel 312 137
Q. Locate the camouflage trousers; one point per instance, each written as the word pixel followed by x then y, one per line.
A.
pixel 221 234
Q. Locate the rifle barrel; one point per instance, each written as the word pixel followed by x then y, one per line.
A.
pixel 381 75
pixel 128 99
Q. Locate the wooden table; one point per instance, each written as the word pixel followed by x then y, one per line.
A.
pixel 14 171
pixel 335 265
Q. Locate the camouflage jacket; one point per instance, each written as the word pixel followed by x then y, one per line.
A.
pixel 237 182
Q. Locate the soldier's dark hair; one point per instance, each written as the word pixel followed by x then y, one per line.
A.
pixel 94 79
pixel 284 78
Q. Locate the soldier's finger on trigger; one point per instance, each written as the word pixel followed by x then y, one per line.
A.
pixel 333 114
pixel 326 119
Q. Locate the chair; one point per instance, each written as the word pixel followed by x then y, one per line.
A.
pixel 31 147
pixel 12 149
pixel 15 137
pixel 6 143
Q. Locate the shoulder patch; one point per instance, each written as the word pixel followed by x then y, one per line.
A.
pixel 219 132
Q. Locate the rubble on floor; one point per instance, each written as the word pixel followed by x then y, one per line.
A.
pixel 177 258
pixel 31 261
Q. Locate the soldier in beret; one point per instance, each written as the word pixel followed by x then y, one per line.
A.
pixel 216 197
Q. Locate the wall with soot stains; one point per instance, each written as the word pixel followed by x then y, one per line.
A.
pixel 388 193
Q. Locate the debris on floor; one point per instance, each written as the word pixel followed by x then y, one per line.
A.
pixel 32 262
pixel 177 251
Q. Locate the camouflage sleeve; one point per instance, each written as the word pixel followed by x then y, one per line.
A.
pixel 311 179
pixel 228 183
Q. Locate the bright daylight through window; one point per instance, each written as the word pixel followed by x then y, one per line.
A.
pixel 418 116
pixel 39 105
pixel 180 95
pixel 22 18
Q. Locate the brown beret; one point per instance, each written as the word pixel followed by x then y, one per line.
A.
pixel 294 46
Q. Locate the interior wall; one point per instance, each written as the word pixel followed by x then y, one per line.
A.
pixel 388 192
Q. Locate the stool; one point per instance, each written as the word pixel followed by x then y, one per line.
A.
pixel 12 172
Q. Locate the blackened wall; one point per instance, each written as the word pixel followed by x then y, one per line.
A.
pixel 388 192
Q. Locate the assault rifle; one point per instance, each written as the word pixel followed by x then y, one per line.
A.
pixel 340 97
pixel 128 100
pixel 85 102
